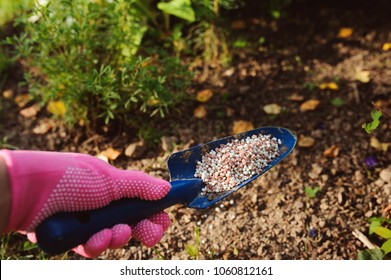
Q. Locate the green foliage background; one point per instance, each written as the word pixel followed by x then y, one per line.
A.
pixel 88 55
pixel 115 60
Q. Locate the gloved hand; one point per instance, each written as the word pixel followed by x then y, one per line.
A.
pixel 44 183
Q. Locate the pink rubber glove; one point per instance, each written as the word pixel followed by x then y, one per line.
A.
pixel 44 183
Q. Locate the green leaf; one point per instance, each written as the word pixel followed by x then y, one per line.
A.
pixel 240 43
pixel 337 102
pixel 197 235
pixel 276 14
pixel 376 114
pixel 383 232
pixel 369 127
pixel 373 225
pixel 178 8
pixel 371 254
pixel 311 192
pixel 386 247
pixel 29 246
pixel 374 218
pixel 192 250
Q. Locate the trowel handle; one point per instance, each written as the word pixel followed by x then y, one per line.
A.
pixel 64 231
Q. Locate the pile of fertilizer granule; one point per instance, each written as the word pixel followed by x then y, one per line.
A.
pixel 227 166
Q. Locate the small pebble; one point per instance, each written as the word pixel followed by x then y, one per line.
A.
pixel 312 232
pixel 385 174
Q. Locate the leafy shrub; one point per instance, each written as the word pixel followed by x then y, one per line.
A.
pixel 201 25
pixel 86 55
pixel 8 9
pixel 208 36
pixel 380 227
pixel 91 58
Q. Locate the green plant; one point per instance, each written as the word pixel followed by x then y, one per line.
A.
pixel 149 134
pixel 311 192
pixel 371 254
pixel 337 102
pixel 278 8
pixel 207 36
pixel 240 43
pixel 159 254
pixel 5 145
pixel 4 246
pixel 11 247
pixel 370 127
pixel 380 227
pixel 8 9
pixel 309 85
pixel 178 8
pixel 87 55
pixel 193 250
pixel 193 26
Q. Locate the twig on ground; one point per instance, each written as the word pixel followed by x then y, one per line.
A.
pixel 360 236
pixel 383 110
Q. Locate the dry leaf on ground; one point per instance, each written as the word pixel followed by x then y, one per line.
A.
pixel 331 85
pixel 43 126
pixel 229 72
pixel 386 46
pixel 363 76
pixel 8 94
pixel 204 95
pixel 332 151
pixel 296 97
pixel 345 32
pixel 241 126
pixel 309 105
pixel 111 154
pixel 305 141
pixel 135 150
pixel 22 99
pixel 102 157
pixel 375 143
pixel 200 112
pixel 168 143
pixel 30 112
pixel 272 109
pixel 229 112
pixel 238 24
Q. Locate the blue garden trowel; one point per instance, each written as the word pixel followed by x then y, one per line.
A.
pixel 64 231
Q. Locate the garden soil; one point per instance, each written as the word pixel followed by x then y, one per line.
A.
pixel 300 57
